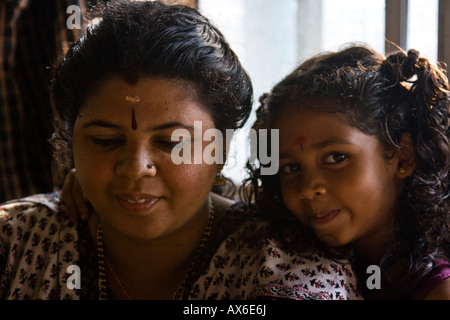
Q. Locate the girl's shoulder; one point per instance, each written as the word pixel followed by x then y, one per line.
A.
pixel 249 265
pixel 437 284
pixel 441 291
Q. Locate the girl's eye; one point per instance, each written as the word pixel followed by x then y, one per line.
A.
pixel 290 168
pixel 336 157
pixel 107 143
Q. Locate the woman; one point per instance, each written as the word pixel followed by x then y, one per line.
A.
pixel 143 70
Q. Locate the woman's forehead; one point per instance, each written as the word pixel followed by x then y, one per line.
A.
pixel 148 102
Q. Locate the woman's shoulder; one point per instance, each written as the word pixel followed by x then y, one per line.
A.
pixel 37 244
pixel 45 202
pixel 229 217
pixel 221 204
pixel 35 211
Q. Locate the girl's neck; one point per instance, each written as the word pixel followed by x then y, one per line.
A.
pixel 372 248
pixel 370 253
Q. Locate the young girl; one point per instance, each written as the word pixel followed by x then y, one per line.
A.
pixel 364 163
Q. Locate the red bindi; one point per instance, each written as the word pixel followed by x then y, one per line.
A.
pixel 135 99
pixel 133 121
pixel 300 141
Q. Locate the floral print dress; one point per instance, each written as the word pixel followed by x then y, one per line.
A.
pixel 262 270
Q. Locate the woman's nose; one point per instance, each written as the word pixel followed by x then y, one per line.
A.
pixel 136 163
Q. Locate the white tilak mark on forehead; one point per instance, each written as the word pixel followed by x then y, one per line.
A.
pixel 133 99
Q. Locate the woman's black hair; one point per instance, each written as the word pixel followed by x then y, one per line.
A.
pixel 385 98
pixel 134 39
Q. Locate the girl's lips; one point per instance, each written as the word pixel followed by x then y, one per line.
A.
pixel 138 205
pixel 324 217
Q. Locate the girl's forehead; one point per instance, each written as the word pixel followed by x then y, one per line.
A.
pixel 306 126
pixel 315 104
pixel 309 107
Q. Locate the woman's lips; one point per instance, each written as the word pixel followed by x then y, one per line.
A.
pixel 324 217
pixel 137 204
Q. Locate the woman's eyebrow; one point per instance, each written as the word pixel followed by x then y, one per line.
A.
pixel 170 125
pixel 109 125
pixel 101 123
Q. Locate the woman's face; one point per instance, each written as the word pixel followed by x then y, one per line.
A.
pixel 336 179
pixel 122 151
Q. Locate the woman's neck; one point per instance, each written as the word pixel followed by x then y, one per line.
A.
pixel 152 269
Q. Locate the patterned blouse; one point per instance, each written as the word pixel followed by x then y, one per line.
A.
pixel 262 270
pixel 39 247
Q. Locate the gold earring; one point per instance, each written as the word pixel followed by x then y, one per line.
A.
pixel 402 170
pixel 220 180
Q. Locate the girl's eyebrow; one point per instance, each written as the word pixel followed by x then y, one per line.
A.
pixel 109 125
pixel 320 145
pixel 284 155
pixel 330 141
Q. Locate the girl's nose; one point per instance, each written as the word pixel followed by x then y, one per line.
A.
pixel 311 186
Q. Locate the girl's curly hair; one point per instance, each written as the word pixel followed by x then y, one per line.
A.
pixel 386 98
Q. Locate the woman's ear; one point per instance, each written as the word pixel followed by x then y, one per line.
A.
pixel 405 154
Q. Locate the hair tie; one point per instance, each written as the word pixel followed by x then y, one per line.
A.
pixel 411 64
pixel 400 67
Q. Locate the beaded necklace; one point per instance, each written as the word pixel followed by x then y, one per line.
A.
pixel 179 293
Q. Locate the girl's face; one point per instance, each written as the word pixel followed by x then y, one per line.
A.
pixel 119 133
pixel 335 178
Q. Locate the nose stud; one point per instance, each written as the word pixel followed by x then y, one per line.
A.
pixel 317 194
pixel 150 166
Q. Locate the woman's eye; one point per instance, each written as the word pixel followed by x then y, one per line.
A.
pixel 169 144
pixel 290 168
pixel 336 157
pixel 107 143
